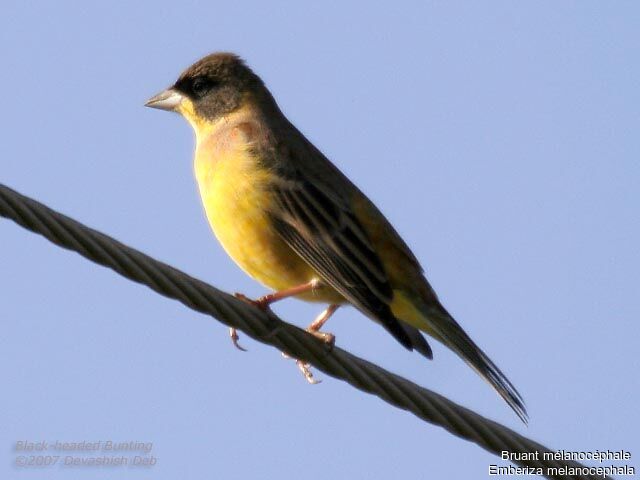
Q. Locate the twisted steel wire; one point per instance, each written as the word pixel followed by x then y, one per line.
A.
pixel 267 328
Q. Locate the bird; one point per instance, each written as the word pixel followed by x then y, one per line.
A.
pixel 295 223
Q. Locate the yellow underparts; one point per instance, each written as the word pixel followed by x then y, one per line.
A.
pixel 405 308
pixel 235 198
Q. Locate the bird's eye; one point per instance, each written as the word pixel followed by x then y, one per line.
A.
pixel 201 86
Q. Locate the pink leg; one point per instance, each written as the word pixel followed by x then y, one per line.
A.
pixel 316 325
pixel 329 338
pixel 266 300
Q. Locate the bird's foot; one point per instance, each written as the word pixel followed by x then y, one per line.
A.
pixel 305 368
pixel 262 303
pixel 314 329
pixel 328 338
pixel 233 333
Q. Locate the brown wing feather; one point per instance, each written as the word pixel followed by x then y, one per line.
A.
pixel 332 241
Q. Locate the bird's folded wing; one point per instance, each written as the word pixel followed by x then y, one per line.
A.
pixel 321 228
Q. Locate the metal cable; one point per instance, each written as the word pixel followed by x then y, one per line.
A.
pixel 267 328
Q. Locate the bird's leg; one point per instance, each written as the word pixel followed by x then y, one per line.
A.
pixel 263 303
pixel 266 300
pixel 329 338
pixel 315 326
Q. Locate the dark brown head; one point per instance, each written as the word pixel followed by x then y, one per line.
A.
pixel 210 88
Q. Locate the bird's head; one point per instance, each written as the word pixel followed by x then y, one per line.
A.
pixel 211 88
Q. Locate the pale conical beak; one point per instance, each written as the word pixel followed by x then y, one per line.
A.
pixel 169 100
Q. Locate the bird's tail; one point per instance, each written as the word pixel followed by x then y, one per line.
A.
pixel 446 330
pixel 438 323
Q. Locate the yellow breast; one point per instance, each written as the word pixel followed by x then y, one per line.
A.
pixel 235 195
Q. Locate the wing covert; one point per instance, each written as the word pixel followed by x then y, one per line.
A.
pixel 321 228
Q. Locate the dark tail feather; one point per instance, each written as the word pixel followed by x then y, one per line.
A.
pixel 418 342
pixel 450 333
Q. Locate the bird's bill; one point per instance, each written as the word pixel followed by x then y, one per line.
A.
pixel 168 99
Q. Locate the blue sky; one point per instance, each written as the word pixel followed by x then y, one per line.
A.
pixel 500 138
